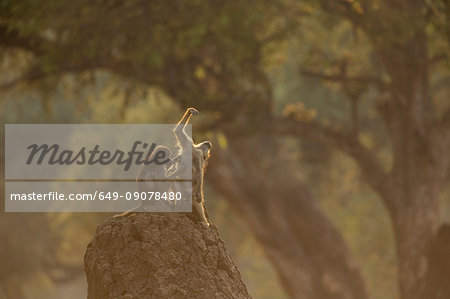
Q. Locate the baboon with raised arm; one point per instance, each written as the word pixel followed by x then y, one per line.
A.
pixel 200 156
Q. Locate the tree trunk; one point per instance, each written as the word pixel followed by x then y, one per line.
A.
pixel 148 255
pixel 414 227
pixel 310 255
pixel 436 281
pixel 414 194
pixel 420 150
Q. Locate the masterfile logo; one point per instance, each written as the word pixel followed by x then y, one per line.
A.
pixel 52 155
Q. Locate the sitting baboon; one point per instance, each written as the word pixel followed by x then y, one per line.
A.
pixel 200 156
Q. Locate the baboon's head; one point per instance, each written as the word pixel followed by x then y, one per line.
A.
pixel 205 148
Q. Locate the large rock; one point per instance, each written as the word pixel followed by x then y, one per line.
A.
pixel 147 255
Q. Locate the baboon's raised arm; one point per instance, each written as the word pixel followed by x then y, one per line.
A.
pixel 183 139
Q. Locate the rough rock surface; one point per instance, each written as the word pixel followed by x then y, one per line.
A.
pixel 147 255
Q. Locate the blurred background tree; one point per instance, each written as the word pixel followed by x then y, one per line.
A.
pixel 330 122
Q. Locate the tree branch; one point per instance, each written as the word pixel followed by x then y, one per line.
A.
pixel 343 78
pixel 346 142
pixel 29 76
pixel 11 38
pixel 36 73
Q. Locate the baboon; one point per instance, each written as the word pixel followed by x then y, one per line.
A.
pixel 200 156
